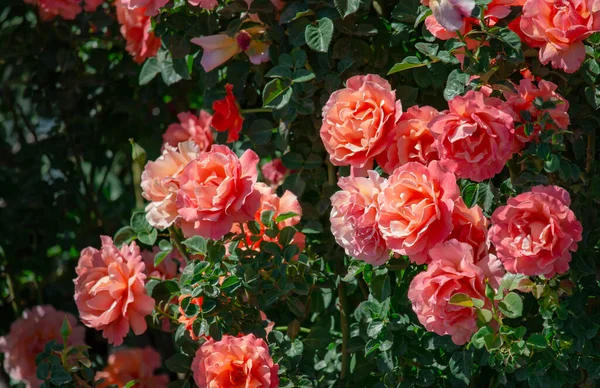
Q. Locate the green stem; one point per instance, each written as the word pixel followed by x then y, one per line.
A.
pixel 256 110
pixel 345 331
pixel 284 328
pixel 468 52
pixel 11 295
pixel 177 242
pixel 165 314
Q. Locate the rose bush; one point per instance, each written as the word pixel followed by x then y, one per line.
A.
pixel 299 193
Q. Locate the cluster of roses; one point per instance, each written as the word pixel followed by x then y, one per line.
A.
pixel 556 27
pixel 204 189
pixel 418 212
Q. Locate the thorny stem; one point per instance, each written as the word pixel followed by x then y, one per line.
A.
pixel 257 110
pixel 177 242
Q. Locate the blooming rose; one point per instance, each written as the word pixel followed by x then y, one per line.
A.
pixel 167 269
pixel 235 362
pixel 190 127
pixel 160 183
pixel 188 322
pixel 151 7
pixel 354 218
pixel 274 172
pixel 49 9
pixel 474 139
pixel 452 271
pixel 110 290
pixel 269 201
pixel 450 13
pixel 415 209
pixel 558 28
pixel 357 120
pixel 204 4
pixel 125 365
pixel 216 190
pixel 410 141
pixel 27 337
pixel 135 28
pixel 535 232
pixel 219 48
pixel 522 101
pixel 227 115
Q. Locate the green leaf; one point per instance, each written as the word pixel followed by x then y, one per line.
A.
pixel 319 37
pixel 511 44
pixel 230 281
pixel 298 58
pixel 160 256
pixel 292 160
pixel 149 70
pixel 294 11
pixel 537 341
pixel 277 93
pixel 483 335
pixel 179 383
pixel 296 306
pixel 460 299
pixel 455 84
pixel 286 235
pixel 65 330
pixel 139 223
pixel 375 327
pixel 260 131
pixel 512 281
pixel 279 72
pixel 285 216
pixel 511 306
pixel 407 63
pixel 552 164
pixel 148 238
pixel 125 235
pixel 302 75
pixel 461 365
pixel 130 384
pixel 346 7
pixel 60 377
pixel 196 244
pixel 429 49
pixel 485 315
pixel 178 363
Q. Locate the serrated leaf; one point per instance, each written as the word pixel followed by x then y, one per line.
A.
pixel 346 7
pixel 319 37
pixel 277 93
pixel 196 244
pixel 406 64
pixel 461 365
pixel 511 306
pixel 125 235
pixel 149 71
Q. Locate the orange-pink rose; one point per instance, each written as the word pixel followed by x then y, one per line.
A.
pixel 415 209
pixel 354 218
pixel 274 172
pixel 110 290
pixel 522 101
pixel 452 271
pixel 151 7
pixel 470 226
pixel 216 190
pixel 136 29
pixel 139 364
pixel 410 141
pixel 27 337
pixel 558 28
pixel 49 9
pixel 190 127
pixel 357 120
pixel 235 362
pixel 270 201
pixel 535 233
pixel 167 269
pixel 160 183
pixel 474 138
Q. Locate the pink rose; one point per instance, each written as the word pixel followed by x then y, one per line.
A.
pixel 204 4
pixel 274 172
pixel 410 141
pixel 167 269
pixel 190 127
pixel 49 9
pixel 357 120
pixel 151 7
pixel 216 190
pixel 535 233
pixel 452 271
pixel 474 138
pixel 354 218
pixel 137 31
pixel 110 290
pixel 269 201
pixel 235 362
pixel 558 28
pixel 137 364
pixel 27 337
pixel 415 209
pixel 470 226
pixel 450 13
pixel 160 183
pixel 522 101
